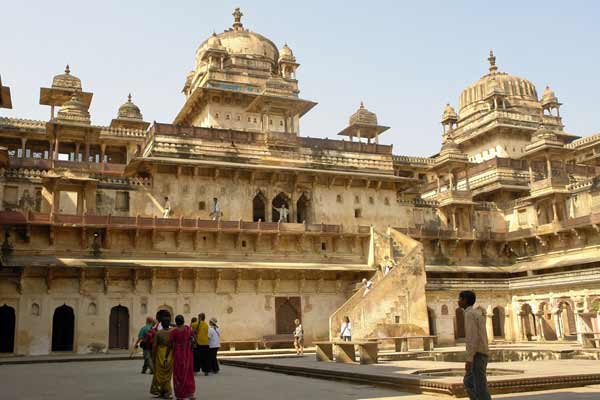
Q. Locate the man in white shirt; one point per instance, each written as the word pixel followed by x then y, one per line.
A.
pixel 167 208
pixel 216 210
pixel 477 348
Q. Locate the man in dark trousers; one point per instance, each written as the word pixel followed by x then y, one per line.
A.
pixel 201 356
pixel 477 348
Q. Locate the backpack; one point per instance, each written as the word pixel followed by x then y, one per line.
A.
pixel 146 343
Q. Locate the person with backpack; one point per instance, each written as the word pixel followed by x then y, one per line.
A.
pixel 145 344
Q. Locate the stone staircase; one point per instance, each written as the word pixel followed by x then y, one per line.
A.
pixel 396 304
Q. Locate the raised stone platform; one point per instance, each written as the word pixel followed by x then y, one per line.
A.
pixel 439 377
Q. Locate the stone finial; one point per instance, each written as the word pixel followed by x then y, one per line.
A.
pixel 67 70
pixel 492 60
pixel 129 98
pixel 362 105
pixel 237 19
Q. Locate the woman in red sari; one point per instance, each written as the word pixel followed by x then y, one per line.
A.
pixel 180 342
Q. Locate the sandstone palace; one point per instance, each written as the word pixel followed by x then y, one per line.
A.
pixel 231 211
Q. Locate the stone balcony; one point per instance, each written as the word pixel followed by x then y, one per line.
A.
pixel 454 197
pixel 177 224
pixel 552 185
pixel 80 166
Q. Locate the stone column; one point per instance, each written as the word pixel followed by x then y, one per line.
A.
pixel 102 152
pixel 23 147
pixel 77 147
pixel 293 213
pixel 489 324
pixel 86 153
pixel 549 167
pixel 554 211
pixel 560 333
pixel 530 172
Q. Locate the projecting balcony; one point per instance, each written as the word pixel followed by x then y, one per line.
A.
pixel 176 224
pixel 552 185
pixel 454 197
pixel 80 166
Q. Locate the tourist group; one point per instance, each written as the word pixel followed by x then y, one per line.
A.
pixel 178 352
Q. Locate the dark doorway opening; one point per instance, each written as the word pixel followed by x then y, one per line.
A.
pixel 63 329
pixel 302 207
pixel 259 207
pixel 118 336
pixel 7 329
pixel 287 309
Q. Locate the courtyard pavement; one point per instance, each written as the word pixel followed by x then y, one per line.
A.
pixel 120 379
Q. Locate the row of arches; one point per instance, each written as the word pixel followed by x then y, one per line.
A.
pixel 63 329
pixel 498 319
pixel 544 325
pixel 282 200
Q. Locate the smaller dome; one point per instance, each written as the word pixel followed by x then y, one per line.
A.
pixel 74 110
pixel 449 114
pixel 129 110
pixel 66 81
pixel 286 54
pixel 363 116
pixel 549 97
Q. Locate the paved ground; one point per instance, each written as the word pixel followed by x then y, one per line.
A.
pixel 122 380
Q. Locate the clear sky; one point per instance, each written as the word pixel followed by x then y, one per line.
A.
pixel 404 59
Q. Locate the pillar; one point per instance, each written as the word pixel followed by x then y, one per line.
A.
pixel 468 186
pixel 554 211
pixel 530 172
pixel 293 213
pixel 86 153
pixel 102 152
pixel 556 317
pixel 77 147
pixel 23 145
pixel 55 150
pixel 489 324
pixel 549 167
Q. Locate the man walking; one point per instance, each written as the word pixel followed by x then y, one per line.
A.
pixel 477 348
pixel 147 348
pixel 167 208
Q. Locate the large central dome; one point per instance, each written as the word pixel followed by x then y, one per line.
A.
pixel 517 91
pixel 240 41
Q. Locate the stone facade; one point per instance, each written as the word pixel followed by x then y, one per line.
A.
pixel 104 225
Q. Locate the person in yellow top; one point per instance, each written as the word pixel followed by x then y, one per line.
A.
pixel 200 330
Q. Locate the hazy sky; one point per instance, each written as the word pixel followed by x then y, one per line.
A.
pixel 404 59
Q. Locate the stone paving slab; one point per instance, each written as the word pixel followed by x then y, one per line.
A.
pixel 529 375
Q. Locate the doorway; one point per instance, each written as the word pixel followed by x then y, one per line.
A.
pixel 302 207
pixel 259 208
pixel 287 309
pixel 118 329
pixel 7 329
pixel 63 329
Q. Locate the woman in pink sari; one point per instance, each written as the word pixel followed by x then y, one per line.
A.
pixel 180 342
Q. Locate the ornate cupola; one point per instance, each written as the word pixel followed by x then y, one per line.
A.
pixel 287 63
pixel 129 116
pixel 74 111
pixel 363 124
pixel 550 102
pixel 449 120
pixel 61 91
